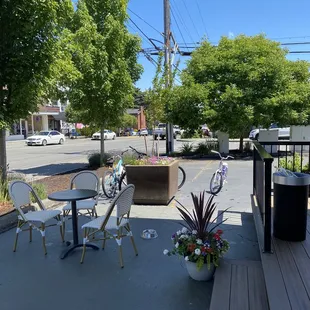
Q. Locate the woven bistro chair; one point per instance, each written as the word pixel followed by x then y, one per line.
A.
pixel 109 223
pixel 84 180
pixel 20 193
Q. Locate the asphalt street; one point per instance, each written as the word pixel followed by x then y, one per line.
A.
pixel 51 159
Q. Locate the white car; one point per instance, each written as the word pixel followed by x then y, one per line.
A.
pixel 46 137
pixel 143 132
pixel 283 133
pixel 108 135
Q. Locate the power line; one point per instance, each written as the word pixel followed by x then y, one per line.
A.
pixel 181 19
pixel 203 22
pixel 178 27
pixel 190 18
pixel 143 33
pixel 145 21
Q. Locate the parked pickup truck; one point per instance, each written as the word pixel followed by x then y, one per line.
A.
pixel 283 133
pixel 160 131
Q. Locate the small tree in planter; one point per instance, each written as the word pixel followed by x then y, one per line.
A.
pixel 198 242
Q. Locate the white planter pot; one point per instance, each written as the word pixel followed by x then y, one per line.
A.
pixel 204 274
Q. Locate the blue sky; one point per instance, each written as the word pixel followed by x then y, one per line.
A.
pixel 283 20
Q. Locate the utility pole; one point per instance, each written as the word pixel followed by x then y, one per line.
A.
pixel 167 34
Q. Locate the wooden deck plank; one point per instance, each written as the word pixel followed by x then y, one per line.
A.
pixel 306 244
pixel 257 290
pixel 296 291
pixel 239 299
pixel 221 289
pixel 302 261
pixel 276 291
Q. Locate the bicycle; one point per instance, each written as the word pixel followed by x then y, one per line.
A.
pixel 111 179
pixel 181 174
pixel 219 178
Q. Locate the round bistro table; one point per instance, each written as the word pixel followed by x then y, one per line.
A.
pixel 74 195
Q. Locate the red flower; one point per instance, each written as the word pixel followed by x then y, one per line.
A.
pixel 209 250
pixel 217 237
pixel 204 249
pixel 219 231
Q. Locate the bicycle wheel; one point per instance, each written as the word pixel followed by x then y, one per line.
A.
pixel 122 181
pixel 216 183
pixel 109 184
pixel 181 177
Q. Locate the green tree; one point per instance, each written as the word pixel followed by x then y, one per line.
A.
pixel 129 121
pixel 106 56
pixel 248 81
pixel 158 97
pixel 28 46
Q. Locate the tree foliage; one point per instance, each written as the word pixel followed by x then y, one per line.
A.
pixel 105 54
pixel 129 121
pixel 28 46
pixel 247 81
pixel 158 97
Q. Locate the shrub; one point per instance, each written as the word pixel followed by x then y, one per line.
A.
pixel 187 149
pixel 205 148
pixel 293 163
pixel 94 160
pixel 40 189
pixel 87 131
pixel 192 134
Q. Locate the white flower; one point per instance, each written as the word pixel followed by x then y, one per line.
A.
pixel 166 252
pixel 199 241
pixel 197 252
pixel 179 232
pixel 177 245
pixel 184 230
pixel 186 258
pixel 183 236
pixel 194 232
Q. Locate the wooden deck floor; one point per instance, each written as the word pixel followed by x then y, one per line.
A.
pixel 239 285
pixel 286 270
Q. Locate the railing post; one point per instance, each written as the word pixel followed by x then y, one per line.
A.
pixel 254 169
pixel 267 202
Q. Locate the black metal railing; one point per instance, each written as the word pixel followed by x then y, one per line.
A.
pixel 262 172
pixel 292 155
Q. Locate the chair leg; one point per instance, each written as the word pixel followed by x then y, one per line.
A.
pixel 30 233
pixel 119 242
pixel 61 228
pixel 63 225
pixel 16 236
pixel 43 237
pixel 132 240
pixel 84 246
pixel 104 239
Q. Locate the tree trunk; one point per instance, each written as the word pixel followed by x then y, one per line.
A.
pixel 241 144
pixel 102 144
pixel 3 164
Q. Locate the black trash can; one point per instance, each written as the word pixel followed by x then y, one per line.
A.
pixel 290 206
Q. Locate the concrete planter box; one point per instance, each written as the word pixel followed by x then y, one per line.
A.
pixel 155 185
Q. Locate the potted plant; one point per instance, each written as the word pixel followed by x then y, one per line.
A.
pixel 199 242
pixel 155 179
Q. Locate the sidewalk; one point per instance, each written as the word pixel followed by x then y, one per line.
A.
pixel 149 281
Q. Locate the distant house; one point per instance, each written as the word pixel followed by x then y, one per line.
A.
pixel 140 115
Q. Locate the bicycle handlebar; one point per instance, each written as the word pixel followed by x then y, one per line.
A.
pixel 139 153
pixel 221 155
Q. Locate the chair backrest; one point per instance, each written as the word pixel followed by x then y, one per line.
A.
pixel 86 180
pixel 123 202
pixel 19 192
